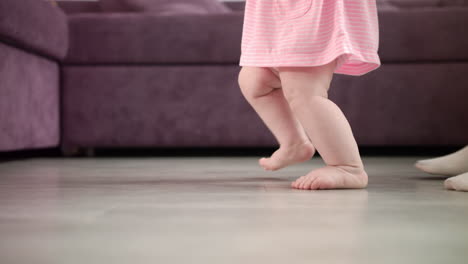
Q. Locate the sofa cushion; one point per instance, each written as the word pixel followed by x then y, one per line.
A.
pixel 427 34
pixel 34 25
pixel 52 2
pixel 405 4
pixel 435 34
pixel 148 38
pixel 73 7
pixel 164 6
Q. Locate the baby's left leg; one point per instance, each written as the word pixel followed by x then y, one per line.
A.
pixel 306 90
pixel 262 88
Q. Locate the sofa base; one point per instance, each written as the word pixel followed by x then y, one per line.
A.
pixel 202 106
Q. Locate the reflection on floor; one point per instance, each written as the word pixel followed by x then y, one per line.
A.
pixel 223 210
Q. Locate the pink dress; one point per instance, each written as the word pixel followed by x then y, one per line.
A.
pixel 311 33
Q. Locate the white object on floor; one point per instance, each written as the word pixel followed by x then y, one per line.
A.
pixel 449 165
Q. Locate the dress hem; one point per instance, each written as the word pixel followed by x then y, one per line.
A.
pixel 358 67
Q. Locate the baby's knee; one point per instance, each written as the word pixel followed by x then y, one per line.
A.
pixel 300 97
pixel 311 102
pixel 253 82
pixel 243 79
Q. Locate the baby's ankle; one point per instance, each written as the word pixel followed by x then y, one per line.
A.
pixel 295 144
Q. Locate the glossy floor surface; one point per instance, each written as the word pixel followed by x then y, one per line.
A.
pixel 223 210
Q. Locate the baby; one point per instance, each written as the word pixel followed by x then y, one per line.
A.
pixel 290 51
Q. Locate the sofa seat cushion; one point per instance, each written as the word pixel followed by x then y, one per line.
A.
pixel 405 4
pixel 426 34
pixel 406 35
pixel 164 6
pixel 35 25
pixel 149 38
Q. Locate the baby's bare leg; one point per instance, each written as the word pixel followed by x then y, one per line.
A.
pixel 306 90
pixel 262 89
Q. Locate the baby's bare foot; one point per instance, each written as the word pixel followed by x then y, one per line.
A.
pixel 333 177
pixel 288 155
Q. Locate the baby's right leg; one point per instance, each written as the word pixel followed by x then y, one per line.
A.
pixel 262 89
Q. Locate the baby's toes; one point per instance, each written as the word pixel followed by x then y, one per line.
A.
pixel 322 183
pixel 263 163
pixel 315 185
pixel 306 185
pixel 296 184
pixel 303 183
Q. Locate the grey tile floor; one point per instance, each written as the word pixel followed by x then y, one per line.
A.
pixel 223 210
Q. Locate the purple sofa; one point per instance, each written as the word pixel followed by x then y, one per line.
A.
pixel 33 41
pixel 143 80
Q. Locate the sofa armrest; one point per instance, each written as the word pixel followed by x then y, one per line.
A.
pixel 34 25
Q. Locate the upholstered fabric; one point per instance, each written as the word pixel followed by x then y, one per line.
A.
pixel 406 104
pixel 29 100
pixel 405 35
pixel 158 106
pixel 424 35
pixel 52 2
pixel 164 6
pixel 201 105
pixel 34 25
pixel 148 38
pixel 425 3
pixel 388 4
pixel 72 7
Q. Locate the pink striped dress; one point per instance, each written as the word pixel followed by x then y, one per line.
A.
pixel 311 33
